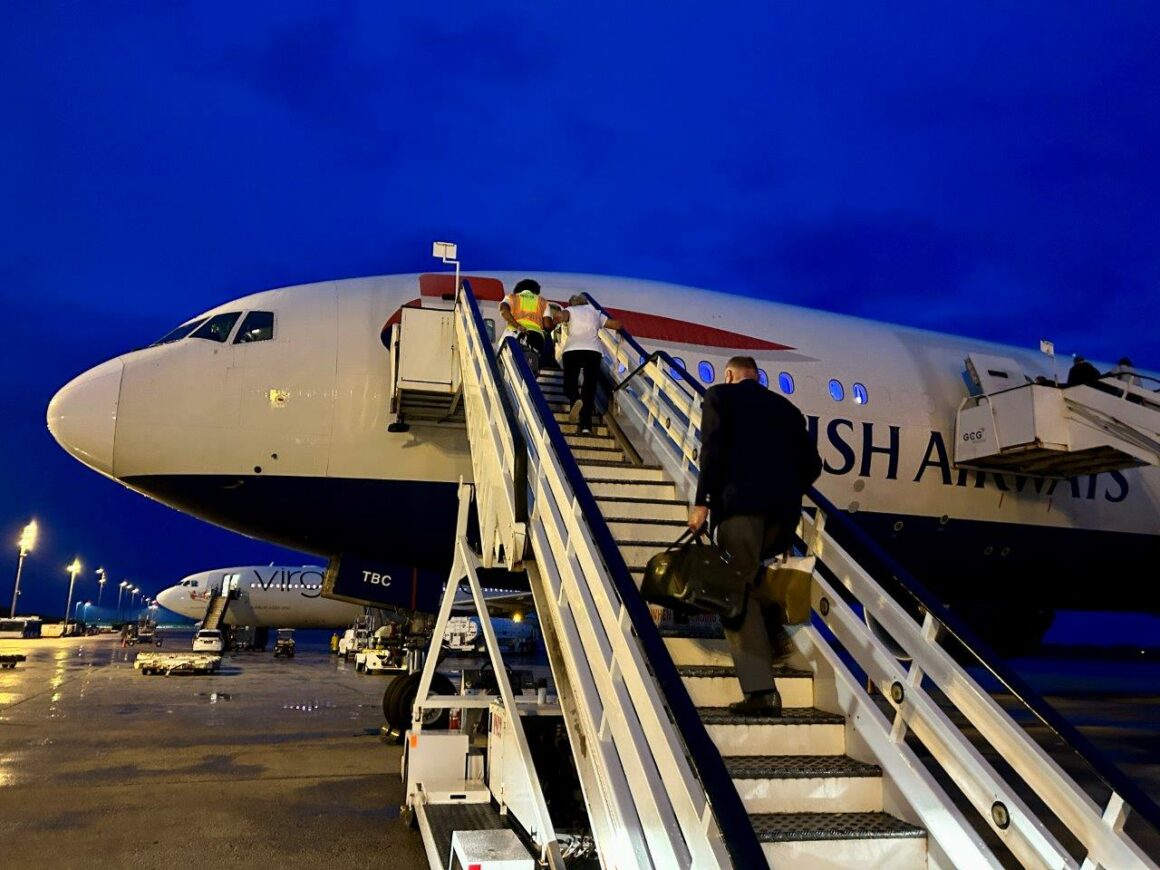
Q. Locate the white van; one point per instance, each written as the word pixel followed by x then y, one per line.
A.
pixel 207 640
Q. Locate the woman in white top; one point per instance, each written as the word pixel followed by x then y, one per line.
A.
pixel 581 356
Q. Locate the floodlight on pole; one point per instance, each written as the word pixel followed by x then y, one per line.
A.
pixel 26 542
pixel 100 584
pixel 73 570
pixel 120 591
pixel 448 252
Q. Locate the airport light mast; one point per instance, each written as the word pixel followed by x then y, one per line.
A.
pixel 26 542
pixel 120 591
pixel 73 570
pixel 100 585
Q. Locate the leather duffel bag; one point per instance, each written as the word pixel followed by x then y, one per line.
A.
pixel 694 576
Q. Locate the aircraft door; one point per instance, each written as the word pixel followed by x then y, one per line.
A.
pixel 231 587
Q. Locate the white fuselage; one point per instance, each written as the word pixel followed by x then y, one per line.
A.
pixel 286 439
pixel 262 596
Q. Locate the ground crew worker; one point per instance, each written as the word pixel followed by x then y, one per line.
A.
pixel 334 642
pixel 526 313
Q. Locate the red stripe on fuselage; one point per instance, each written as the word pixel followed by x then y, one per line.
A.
pixel 648 327
pixel 656 327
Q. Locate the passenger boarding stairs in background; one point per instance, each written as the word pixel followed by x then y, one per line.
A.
pixel 670 778
pixel 215 611
pixel 1012 424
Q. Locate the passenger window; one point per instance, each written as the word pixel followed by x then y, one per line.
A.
pixel 837 391
pixel 859 393
pixel 179 333
pixel 762 378
pixel 676 374
pixel 258 326
pixel 705 371
pixel 785 381
pixel 218 327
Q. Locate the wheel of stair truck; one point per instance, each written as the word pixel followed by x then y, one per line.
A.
pixel 397 705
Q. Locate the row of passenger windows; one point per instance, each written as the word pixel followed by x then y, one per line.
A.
pixel 257 326
pixel 785 382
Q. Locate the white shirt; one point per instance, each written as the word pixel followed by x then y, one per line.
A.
pixel 584 324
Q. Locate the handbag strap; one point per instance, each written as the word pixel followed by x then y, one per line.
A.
pixel 696 537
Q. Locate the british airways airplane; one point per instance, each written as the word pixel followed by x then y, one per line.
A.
pixel 268 415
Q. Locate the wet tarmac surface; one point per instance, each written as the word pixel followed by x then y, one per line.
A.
pixel 270 762
pixel 279 762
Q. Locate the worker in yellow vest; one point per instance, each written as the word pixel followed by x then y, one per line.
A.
pixel 526 314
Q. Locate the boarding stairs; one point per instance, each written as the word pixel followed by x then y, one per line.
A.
pixel 215 611
pixel 670 778
pixel 1012 424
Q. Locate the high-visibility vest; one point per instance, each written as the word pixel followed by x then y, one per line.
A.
pixel 528 309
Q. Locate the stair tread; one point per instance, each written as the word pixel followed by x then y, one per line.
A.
pixel 789 716
pixel 711 671
pixel 602 463
pixel 797 766
pixel 787 827
pixel 700 631
pixel 629 500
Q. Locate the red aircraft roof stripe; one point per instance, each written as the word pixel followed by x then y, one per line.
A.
pixel 654 327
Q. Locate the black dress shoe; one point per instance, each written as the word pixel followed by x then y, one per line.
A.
pixel 763 704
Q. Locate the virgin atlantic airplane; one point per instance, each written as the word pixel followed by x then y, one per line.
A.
pixel 268 415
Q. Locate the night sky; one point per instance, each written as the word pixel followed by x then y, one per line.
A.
pixel 972 168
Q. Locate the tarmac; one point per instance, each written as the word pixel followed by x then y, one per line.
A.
pixel 281 763
pixel 269 763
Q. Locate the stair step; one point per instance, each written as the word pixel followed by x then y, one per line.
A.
pixel 596 468
pixel 630 531
pixel 833 840
pixel 612 487
pixel 561 415
pixel 703 630
pixel 598 441
pixel 600 453
pixel 705 651
pixel 797 731
pixel 717 685
pixel 806 783
pixel 574 429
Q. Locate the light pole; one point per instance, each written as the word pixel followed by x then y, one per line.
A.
pixel 100 585
pixel 26 542
pixel 73 570
pixel 120 591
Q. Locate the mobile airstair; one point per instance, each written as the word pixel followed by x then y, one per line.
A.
pixel 926 770
pixel 1011 423
pixel 215 611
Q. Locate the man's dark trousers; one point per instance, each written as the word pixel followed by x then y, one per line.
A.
pixel 747 539
pixel 588 362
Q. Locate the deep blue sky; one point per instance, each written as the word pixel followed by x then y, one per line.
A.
pixel 973 168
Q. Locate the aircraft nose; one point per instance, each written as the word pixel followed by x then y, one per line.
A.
pixel 167 598
pixel 82 416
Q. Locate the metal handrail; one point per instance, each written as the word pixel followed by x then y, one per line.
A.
pixel 955 626
pixel 1108 773
pixel 732 818
pixel 647 357
pixel 519 444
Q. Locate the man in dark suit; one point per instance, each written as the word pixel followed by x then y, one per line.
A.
pixel 757 460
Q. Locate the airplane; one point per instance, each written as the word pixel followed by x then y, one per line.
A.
pixel 280 596
pixel 268 415
pixel 262 596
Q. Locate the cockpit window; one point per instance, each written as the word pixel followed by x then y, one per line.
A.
pixel 258 326
pixel 218 327
pixel 179 333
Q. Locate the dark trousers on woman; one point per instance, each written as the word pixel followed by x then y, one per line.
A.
pixel 586 362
